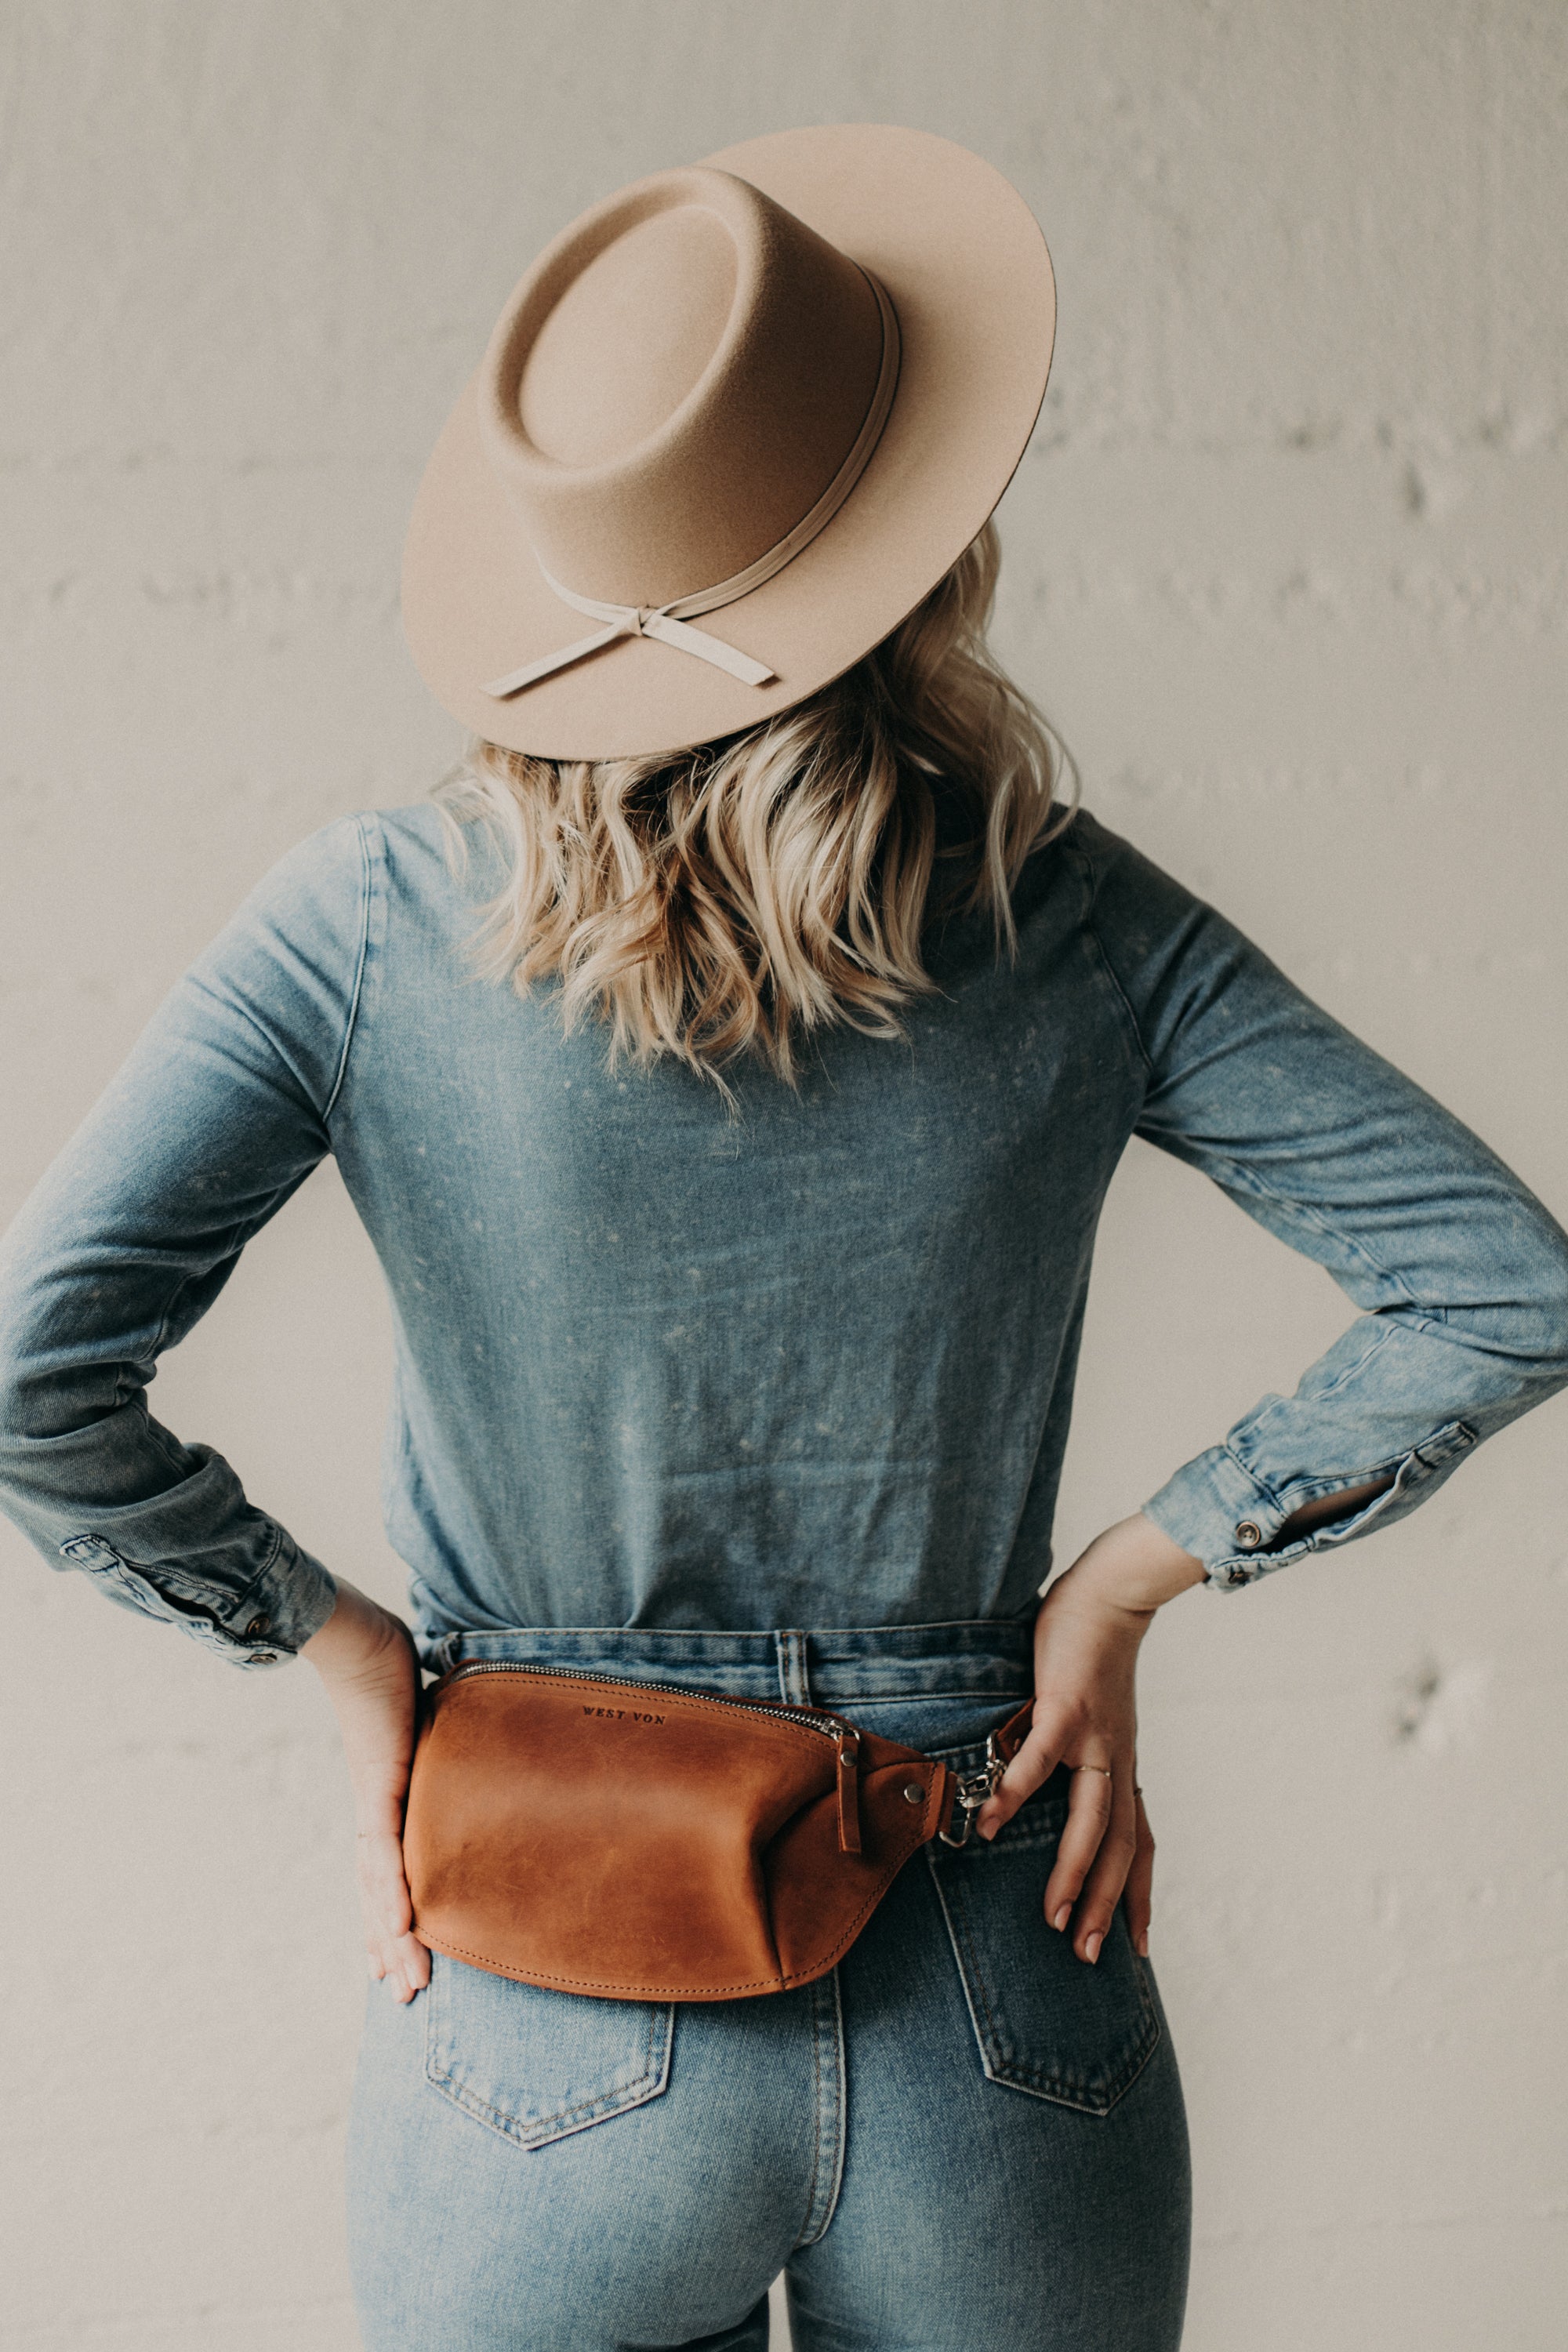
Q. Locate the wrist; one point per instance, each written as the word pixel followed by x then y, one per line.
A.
pixel 356 1636
pixel 1133 1569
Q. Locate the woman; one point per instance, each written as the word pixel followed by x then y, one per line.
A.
pixel 737 1217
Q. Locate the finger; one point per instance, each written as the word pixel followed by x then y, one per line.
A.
pixel 382 1881
pixel 1108 1872
pixel 1030 1769
pixel 386 1966
pixel 1089 1817
pixel 413 1963
pixel 395 1953
pixel 1139 1893
pixel 404 1963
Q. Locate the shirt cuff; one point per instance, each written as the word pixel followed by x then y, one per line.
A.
pixel 291 1599
pixel 1217 1511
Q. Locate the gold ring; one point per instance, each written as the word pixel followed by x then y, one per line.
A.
pixel 1105 1768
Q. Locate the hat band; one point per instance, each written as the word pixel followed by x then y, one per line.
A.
pixel 668 623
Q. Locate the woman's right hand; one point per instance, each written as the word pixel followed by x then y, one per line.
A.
pixel 1088 1634
pixel 365 1658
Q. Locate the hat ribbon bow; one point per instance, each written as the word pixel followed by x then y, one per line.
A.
pixel 661 621
pixel 671 624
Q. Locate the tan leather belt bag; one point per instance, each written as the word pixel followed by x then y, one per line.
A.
pixel 642 1842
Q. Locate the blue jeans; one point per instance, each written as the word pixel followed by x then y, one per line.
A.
pixel 963 2136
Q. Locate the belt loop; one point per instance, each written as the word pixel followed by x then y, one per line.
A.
pixel 795 1680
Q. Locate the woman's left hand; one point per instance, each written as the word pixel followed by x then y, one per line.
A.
pixel 1088 1634
pixel 365 1659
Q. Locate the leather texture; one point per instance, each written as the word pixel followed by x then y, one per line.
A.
pixel 639 1843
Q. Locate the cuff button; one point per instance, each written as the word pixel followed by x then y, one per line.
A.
pixel 1249 1534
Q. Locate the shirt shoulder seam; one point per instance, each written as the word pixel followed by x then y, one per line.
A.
pixel 352 1018
pixel 1075 848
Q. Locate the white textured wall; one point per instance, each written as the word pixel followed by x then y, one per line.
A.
pixel 1287 564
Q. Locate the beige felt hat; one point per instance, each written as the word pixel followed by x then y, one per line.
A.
pixel 731 427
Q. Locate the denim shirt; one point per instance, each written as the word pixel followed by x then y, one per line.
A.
pixel 664 1363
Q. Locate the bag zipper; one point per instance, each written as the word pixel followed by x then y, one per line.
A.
pixel 844 1736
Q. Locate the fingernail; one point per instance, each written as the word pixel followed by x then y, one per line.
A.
pixel 1062 1916
pixel 1091 1949
pixel 1143 1943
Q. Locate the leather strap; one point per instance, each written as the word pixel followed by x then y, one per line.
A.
pixel 1014 1731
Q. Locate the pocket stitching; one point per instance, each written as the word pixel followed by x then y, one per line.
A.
pixel 562 2121
pixel 1033 2080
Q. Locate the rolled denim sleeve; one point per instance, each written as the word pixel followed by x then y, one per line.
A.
pixel 1461 1274
pixel 220 1112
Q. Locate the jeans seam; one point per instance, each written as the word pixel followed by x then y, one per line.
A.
pixel 811 2195
pixel 824 2196
pixel 956 1914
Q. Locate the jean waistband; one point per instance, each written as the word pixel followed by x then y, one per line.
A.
pixel 978 1657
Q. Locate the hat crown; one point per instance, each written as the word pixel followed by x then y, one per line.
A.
pixel 651 309
pixel 674 384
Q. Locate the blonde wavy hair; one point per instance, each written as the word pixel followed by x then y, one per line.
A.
pixel 735 899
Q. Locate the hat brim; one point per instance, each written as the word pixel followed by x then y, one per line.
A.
pixel 966 266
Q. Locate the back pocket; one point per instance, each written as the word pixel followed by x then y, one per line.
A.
pixel 535 2065
pixel 1046 2022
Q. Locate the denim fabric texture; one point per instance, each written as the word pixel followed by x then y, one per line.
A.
pixel 661 1365
pixel 963 2136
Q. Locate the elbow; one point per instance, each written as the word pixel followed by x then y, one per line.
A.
pixel 14 1411
pixel 20 1443
pixel 47 1395
pixel 1532 1326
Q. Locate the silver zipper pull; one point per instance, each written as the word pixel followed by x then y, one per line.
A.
pixel 972 1790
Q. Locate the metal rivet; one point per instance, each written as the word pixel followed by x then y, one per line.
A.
pixel 264 1658
pixel 913 1793
pixel 1249 1534
pixel 256 1627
